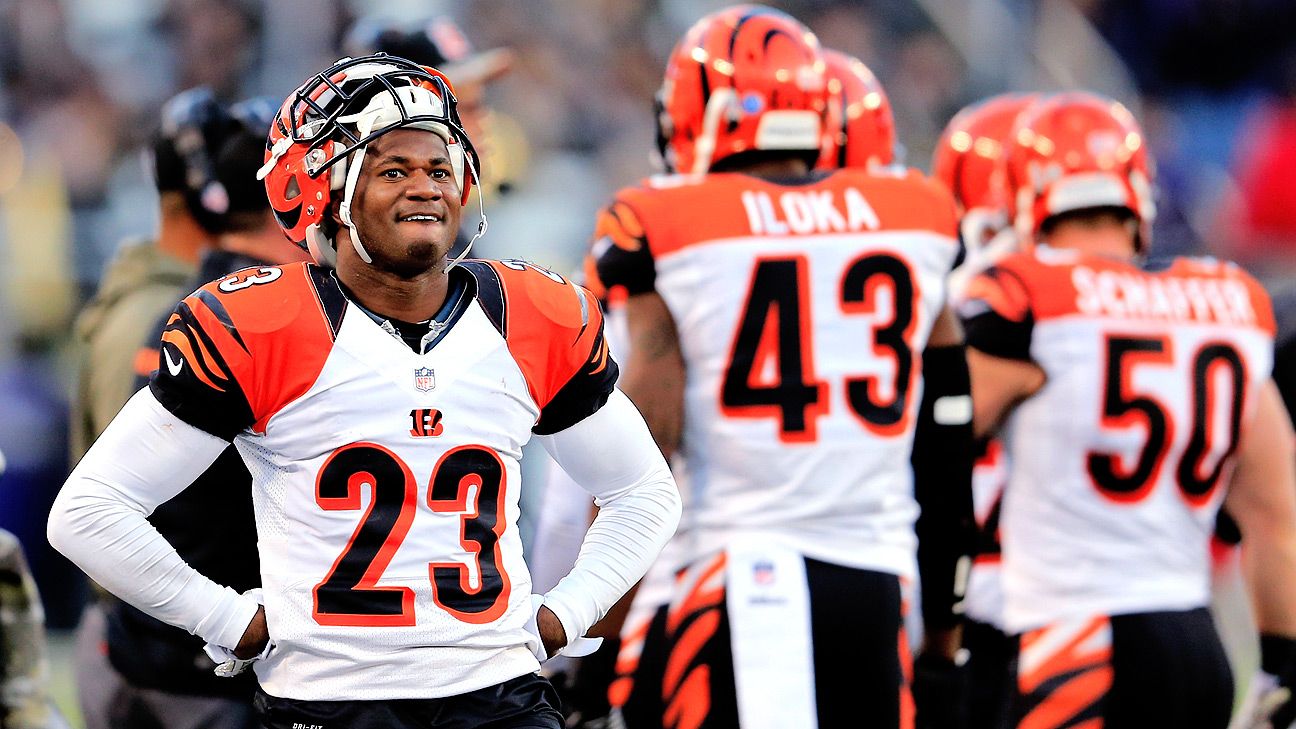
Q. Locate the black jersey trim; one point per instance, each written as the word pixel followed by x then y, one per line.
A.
pixel 217 369
pixel 329 295
pixel 584 394
pixel 489 292
pixel 998 336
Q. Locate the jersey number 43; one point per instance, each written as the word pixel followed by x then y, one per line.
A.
pixel 775 333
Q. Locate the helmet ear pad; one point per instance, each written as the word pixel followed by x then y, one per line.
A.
pixel 320 247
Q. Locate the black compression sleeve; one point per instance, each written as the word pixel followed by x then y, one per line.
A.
pixel 942 462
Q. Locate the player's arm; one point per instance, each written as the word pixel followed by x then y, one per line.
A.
pixel 999 323
pixel 1262 500
pixel 653 375
pixel 946 527
pixel 164 438
pixel 612 455
pixel 942 459
pixel 999 384
pixel 146 456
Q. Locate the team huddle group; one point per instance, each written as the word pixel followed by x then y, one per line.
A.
pixel 798 394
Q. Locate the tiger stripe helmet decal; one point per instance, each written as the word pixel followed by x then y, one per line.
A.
pixel 741 79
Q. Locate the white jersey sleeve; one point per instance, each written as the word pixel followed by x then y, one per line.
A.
pixel 639 507
pixel 99 520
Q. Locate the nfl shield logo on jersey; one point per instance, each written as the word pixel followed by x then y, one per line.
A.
pixel 424 379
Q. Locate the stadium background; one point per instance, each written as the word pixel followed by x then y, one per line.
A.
pixel 81 83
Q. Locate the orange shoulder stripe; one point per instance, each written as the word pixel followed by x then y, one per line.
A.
pixel 553 326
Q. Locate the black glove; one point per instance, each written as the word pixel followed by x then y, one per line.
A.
pixel 1278 661
pixel 940 691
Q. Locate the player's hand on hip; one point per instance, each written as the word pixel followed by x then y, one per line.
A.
pixel 254 646
pixel 257 635
pixel 549 637
pixel 551 629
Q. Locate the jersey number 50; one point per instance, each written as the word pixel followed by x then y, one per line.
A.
pixel 1122 407
pixel 775 327
pixel 468 480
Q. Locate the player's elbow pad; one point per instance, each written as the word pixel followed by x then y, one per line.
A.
pixel 943 454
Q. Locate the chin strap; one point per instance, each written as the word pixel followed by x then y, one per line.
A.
pixel 344 210
pixel 482 225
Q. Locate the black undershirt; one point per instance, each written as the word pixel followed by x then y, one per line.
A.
pixel 412 333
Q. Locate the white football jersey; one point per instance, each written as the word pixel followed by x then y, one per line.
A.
pixel 1119 463
pixel 802 310
pixel 386 482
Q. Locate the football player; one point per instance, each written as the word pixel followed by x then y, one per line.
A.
pixel 380 399
pixel 146 277
pixel 969 160
pixel 1134 397
pixel 860 133
pixel 778 321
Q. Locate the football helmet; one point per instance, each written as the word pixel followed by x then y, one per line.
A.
pixel 439 43
pixel 969 160
pixel 317 142
pixel 969 156
pixel 744 78
pixel 194 125
pixel 1078 150
pixel 861 127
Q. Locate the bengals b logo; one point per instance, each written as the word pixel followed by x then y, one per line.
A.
pixel 427 422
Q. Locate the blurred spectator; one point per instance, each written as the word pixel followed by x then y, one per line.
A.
pixel 1214 45
pixel 214 42
pixel 33 435
pixel 147 276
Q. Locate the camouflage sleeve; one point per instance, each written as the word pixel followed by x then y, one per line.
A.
pixel 24 667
